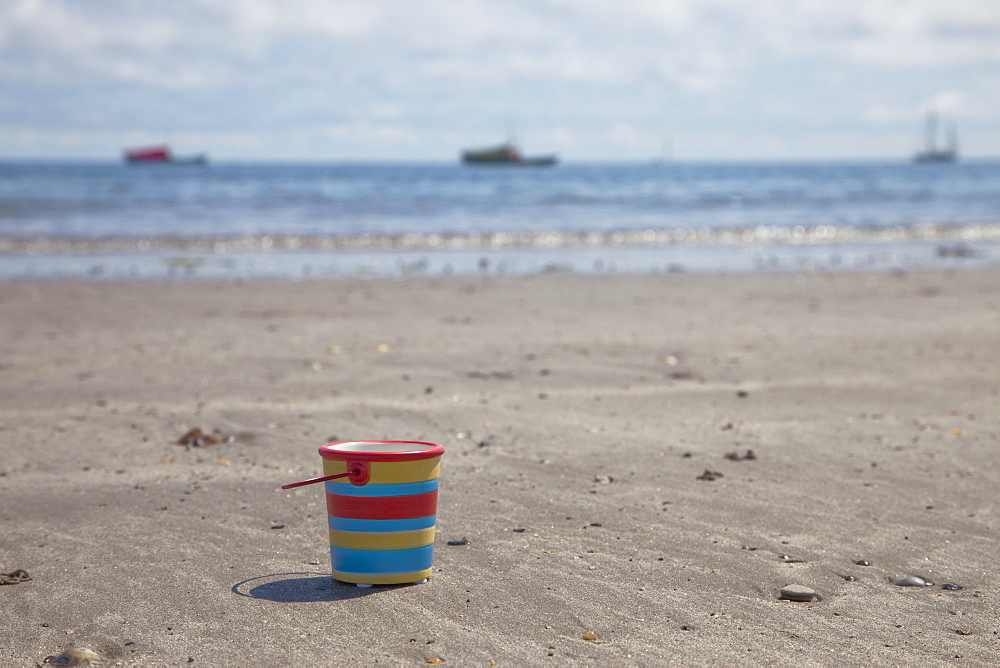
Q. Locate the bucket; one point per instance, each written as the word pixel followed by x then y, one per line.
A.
pixel 381 499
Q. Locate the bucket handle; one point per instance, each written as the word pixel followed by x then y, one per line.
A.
pixel 357 472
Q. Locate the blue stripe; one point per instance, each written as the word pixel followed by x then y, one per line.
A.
pixel 381 561
pixel 382 489
pixel 411 524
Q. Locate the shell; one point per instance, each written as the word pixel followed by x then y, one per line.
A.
pixel 800 593
pixel 78 656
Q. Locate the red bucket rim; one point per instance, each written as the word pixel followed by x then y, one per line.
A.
pixel 335 451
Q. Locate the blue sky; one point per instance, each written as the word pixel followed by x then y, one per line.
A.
pixel 421 79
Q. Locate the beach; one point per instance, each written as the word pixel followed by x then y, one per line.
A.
pixel 637 466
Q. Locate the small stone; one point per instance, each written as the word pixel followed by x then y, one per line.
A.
pixel 464 541
pixel 589 636
pixel 862 562
pixel 798 593
pixel 911 581
pixel 951 587
pixel 790 560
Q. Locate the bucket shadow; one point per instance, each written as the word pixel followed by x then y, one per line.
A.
pixel 306 588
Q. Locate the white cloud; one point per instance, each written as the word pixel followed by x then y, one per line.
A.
pixel 696 45
pixel 370 132
pixel 581 68
pixel 624 135
pixel 261 18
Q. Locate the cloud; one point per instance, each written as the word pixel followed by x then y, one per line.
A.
pixel 394 70
pixel 692 45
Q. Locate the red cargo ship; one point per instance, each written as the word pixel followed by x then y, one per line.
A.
pixel 160 155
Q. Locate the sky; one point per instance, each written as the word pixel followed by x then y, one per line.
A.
pixel 415 80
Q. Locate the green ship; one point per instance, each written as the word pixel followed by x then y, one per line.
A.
pixel 506 154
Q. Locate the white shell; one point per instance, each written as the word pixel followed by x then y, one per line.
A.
pixel 78 656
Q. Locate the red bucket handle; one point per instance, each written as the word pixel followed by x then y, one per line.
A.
pixel 357 472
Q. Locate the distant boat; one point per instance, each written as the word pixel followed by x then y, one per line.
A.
pixel 934 153
pixel 666 156
pixel 161 155
pixel 505 154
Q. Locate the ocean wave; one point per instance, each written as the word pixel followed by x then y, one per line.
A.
pixel 742 236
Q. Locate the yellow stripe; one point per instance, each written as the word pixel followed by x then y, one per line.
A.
pixel 382 578
pixel 384 540
pixel 390 472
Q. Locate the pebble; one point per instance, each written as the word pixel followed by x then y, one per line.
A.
pixel 801 593
pixel 911 581
pixel 951 587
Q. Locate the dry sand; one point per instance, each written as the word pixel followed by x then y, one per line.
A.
pixel 564 402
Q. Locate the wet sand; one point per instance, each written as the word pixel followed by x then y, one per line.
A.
pixel 584 410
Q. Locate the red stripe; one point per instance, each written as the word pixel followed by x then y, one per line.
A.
pixel 382 507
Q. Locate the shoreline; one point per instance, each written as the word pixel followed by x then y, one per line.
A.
pixel 584 409
pixel 185 262
pixel 482 241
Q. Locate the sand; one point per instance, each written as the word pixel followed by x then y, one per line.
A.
pixel 583 410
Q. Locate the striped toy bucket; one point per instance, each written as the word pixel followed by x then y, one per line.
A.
pixel 381 498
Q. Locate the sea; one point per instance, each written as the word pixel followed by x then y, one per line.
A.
pixel 111 221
